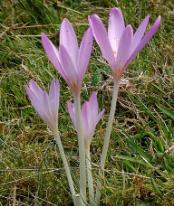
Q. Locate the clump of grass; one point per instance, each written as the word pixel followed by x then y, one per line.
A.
pixel 140 167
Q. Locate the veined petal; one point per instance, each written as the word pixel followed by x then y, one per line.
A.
pixel 68 39
pixel 100 34
pixel 69 68
pixel 140 33
pixel 123 50
pixel 145 40
pixel 115 28
pixel 52 54
pixel 85 52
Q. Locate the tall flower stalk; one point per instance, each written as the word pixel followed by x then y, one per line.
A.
pixel 71 62
pixel 46 105
pixel 107 137
pixel 119 46
pixel 89 119
pixel 80 131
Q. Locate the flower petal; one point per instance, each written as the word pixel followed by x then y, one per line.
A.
pixel 52 54
pixel 145 40
pixel 93 104
pixel 69 40
pixel 123 50
pixel 100 34
pixel 139 33
pixel 66 62
pixel 86 118
pixel 54 97
pixel 115 28
pixel 37 103
pixel 35 89
pixel 85 52
pixel 47 105
pixel 70 107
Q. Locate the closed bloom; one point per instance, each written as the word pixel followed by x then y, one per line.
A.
pixel 70 60
pixel 120 45
pixel 90 116
pixel 45 104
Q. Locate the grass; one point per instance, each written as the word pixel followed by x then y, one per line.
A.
pixel 140 170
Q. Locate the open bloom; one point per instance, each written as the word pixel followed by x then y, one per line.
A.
pixel 70 60
pixel 119 46
pixel 45 104
pixel 90 116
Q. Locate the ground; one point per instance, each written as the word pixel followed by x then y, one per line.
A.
pixel 140 166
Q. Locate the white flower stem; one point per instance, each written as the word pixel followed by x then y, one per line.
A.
pixel 67 169
pixel 107 138
pixel 89 175
pixel 81 144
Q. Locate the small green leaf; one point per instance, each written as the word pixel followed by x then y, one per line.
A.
pixel 166 111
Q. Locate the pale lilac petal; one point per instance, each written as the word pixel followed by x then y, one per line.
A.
pixel 54 97
pixel 69 40
pixel 71 73
pixel 93 104
pixel 86 113
pixel 52 115
pixel 70 107
pixel 139 33
pixel 47 107
pixel 115 28
pixel 37 104
pixel 52 53
pixel 86 118
pixel 54 90
pixel 85 52
pixel 124 48
pixel 35 89
pixel 100 34
pixel 145 40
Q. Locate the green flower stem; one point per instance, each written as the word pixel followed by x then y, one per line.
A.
pixel 89 175
pixel 81 144
pixel 67 169
pixel 107 137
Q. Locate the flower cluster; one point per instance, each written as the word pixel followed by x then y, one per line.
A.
pixel 119 46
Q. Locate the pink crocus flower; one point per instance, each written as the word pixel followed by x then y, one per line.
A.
pixel 90 117
pixel 45 104
pixel 70 60
pixel 119 45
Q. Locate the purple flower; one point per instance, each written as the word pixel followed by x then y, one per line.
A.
pixel 119 46
pixel 90 116
pixel 45 104
pixel 70 60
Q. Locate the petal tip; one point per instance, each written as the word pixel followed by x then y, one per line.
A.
pixel 116 10
pixel 43 36
pixel 129 29
pixel 66 23
pixel 159 19
pixel 93 17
